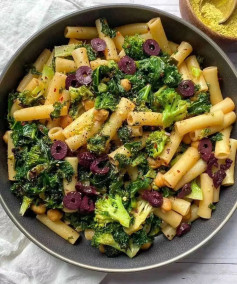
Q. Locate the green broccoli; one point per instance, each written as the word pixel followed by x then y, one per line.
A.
pixel 174 108
pixel 140 213
pixel 156 142
pixel 110 209
pixel 196 191
pixel 106 30
pixel 124 134
pixel 143 98
pixel 133 47
pixel 106 101
pixel 134 147
pixel 200 105
pixel 137 185
pixel 97 144
pixel 81 93
pixel 25 204
pixel 57 110
pixel 152 225
pixel 171 78
pixel 31 98
pixel 122 159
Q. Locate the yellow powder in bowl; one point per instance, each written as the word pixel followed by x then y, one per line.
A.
pixel 211 13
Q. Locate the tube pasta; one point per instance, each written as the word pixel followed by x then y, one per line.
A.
pixel 171 147
pixel 98 62
pixel 56 85
pixel 53 123
pixel 132 172
pixel 207 187
pixel 36 112
pixel 56 133
pixel 69 186
pixel 10 158
pixel 119 41
pixel 116 119
pixel 15 107
pixel 146 36
pixel 211 76
pixel 110 51
pixel 184 50
pixel 193 64
pixel 228 120
pixel 81 32
pixel 222 148
pixel 216 194
pixel 145 118
pixel 80 57
pixel 194 213
pixel 227 105
pixel 173 46
pixel 158 34
pixel 170 217
pixel 179 205
pixel 132 29
pixel 60 228
pixel 229 179
pixel 65 65
pixel 32 84
pixel 136 131
pixel 194 172
pixel 183 70
pixel 74 41
pixel 121 150
pixel 199 122
pixel 169 232
pixel 181 167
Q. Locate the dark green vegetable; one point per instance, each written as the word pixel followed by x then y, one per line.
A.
pixel 137 185
pixel 28 98
pixel 133 147
pixel 123 160
pixel 97 144
pixel 124 134
pixel 57 110
pixel 212 206
pixel 155 143
pixel 133 47
pixel 201 105
pixel 106 30
pixel 106 101
pixel 216 137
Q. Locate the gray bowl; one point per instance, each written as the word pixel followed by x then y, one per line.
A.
pixel 82 254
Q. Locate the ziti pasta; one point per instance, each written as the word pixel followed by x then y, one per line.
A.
pixel 120 134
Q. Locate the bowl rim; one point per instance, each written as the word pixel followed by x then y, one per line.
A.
pixel 7 209
pixel 204 26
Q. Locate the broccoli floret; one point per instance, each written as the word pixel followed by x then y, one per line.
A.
pixel 124 134
pixel 31 98
pixel 110 209
pixel 152 225
pixel 133 47
pixel 156 143
pixel 107 239
pixel 122 159
pixel 57 110
pixel 133 147
pixel 106 101
pixel 137 185
pixel 97 144
pixel 81 93
pixel 143 98
pixel 171 78
pixel 25 204
pixel 106 30
pixel 196 191
pixel 174 108
pixel 141 212
pixel 111 252
pixel 200 105
pixel 216 137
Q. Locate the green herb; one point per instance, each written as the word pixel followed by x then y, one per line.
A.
pixel 122 159
pixel 216 137
pixel 212 206
pixel 57 110
pixel 106 30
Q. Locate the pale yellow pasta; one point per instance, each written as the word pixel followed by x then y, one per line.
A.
pixel 179 205
pixel 198 168
pixel 193 65
pixel 230 173
pixel 169 232
pixel 80 139
pixel 207 187
pixel 69 186
pixel 56 133
pixel 50 59
pixel 183 70
pixel 132 172
pixel 194 213
pixel 65 65
pixel 136 131
pixel 60 228
pixel 216 194
pixel 198 122
pixel 74 41
pixel 146 36
pixel 181 167
pixel 170 217
pixel 83 121
pixel 117 117
pixel 211 76
pixel 15 107
pixel 186 139
pixel 57 84
pixel 37 112
pixel 158 34
pixel 5 137
pixel 25 81
pixel 122 53
pixel 118 41
pixel 227 105
pixel 32 84
pixel 122 151
pixel 81 32
pixel 184 50
pixel 110 51
pixel 10 158
pixel 65 98
pixel 145 118
pixel 80 57
pixel 132 29
pixel 173 46
pixel 42 60
pixel 53 123
pixel 222 148
pixel 228 120
pixel 171 147
pixel 98 62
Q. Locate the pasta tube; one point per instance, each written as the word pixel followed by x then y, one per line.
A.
pixel 207 187
pixel 70 186
pixel 182 53
pixel 230 173
pixel 145 118
pixel 222 148
pixel 171 217
pixel 81 32
pixel 10 158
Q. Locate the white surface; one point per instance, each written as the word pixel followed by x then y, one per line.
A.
pixel 23 262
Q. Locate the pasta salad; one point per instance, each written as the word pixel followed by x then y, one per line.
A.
pixel 120 134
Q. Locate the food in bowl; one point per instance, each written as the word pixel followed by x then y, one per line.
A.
pixel 122 135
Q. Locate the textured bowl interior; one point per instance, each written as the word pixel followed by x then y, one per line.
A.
pixel 83 254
